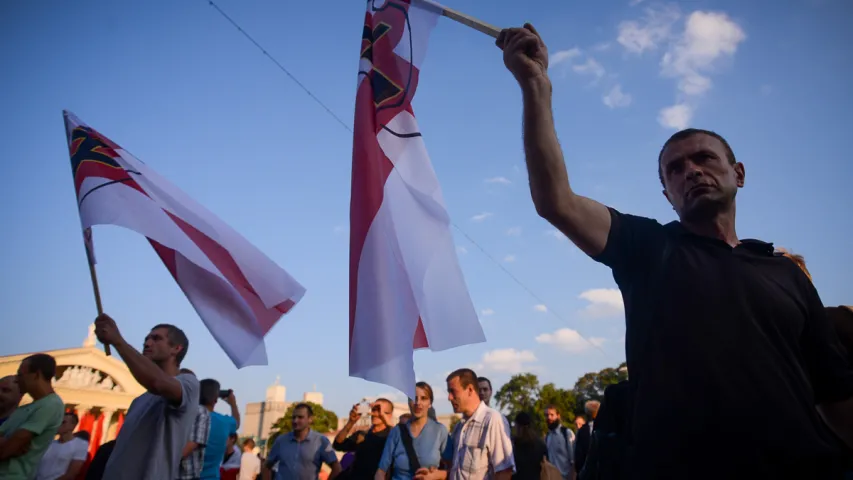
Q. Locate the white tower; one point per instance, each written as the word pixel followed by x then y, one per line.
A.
pixel 276 392
pixel 313 397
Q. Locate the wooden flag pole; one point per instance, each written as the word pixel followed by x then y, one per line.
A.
pixel 466 20
pixel 97 291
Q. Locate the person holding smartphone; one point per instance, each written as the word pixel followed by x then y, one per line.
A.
pixel 221 426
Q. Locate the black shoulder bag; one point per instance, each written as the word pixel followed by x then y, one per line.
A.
pixel 406 438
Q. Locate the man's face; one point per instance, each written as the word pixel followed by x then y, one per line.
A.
pixel 157 346
pixel 579 422
pixel 698 178
pixel 381 413
pixel 485 391
pixel 404 418
pixel 10 394
pixel 26 378
pixel 460 398
pixel 301 420
pixel 67 425
pixel 551 416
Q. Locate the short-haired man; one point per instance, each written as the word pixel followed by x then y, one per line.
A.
pixel 192 455
pixel 158 422
pixel 484 389
pixel 250 464
pixel 28 432
pixel 368 452
pixel 10 396
pixel 713 322
pixel 221 426
pixel 301 452
pixel 584 438
pixel 66 455
pixel 481 447
pixel 560 442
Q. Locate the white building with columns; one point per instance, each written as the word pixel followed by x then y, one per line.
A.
pixel 97 387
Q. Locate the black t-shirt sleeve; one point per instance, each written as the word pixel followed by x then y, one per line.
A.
pixel 633 243
pixel 348 445
pixel 826 362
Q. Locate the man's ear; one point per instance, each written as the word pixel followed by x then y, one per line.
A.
pixel 740 174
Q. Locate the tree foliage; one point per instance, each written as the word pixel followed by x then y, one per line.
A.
pixel 522 393
pixel 453 421
pixel 325 421
pixel 591 386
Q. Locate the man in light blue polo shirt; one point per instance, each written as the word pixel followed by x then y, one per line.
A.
pixel 300 453
pixel 221 426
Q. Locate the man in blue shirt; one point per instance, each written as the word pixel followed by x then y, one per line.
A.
pixel 301 452
pixel 220 427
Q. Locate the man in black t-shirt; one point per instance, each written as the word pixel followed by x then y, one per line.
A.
pixel 368 452
pixel 728 345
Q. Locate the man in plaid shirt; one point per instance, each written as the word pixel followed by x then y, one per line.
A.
pixel 481 448
pixel 193 454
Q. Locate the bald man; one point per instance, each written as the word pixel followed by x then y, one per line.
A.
pixel 10 396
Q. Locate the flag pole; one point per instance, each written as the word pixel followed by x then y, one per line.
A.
pixel 466 20
pixel 97 291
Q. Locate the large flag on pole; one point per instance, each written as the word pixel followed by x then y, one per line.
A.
pixel 237 291
pixel 406 288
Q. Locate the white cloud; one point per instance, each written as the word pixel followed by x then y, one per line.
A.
pixel 507 360
pixel 562 56
pixel 461 250
pixel 708 38
pixel 501 180
pixel 556 234
pixel 540 308
pixel 570 340
pixel 487 312
pixel 341 229
pixel 676 117
pixel 616 98
pixel 603 302
pixel 514 231
pixel 650 31
pixel 509 258
pixel 481 216
pixel 590 67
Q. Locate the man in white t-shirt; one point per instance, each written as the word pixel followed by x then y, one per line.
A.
pixel 65 456
pixel 250 464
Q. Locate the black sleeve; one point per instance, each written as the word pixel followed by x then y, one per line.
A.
pixel 632 244
pixel 826 361
pixel 347 445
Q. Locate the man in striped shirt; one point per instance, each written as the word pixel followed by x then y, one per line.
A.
pixel 481 448
pixel 193 453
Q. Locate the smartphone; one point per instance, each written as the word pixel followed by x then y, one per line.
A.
pixel 224 394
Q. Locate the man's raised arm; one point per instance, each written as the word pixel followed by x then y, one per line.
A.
pixel 585 221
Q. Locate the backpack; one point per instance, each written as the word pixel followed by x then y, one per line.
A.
pixel 548 471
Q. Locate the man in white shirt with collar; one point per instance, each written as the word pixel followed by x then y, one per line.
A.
pixel 481 448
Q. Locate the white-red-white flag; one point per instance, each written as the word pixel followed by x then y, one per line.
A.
pixel 406 288
pixel 237 291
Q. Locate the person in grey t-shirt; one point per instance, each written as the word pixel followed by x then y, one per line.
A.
pixel 158 422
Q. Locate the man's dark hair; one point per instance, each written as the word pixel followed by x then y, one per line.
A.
pixel 74 416
pixel 176 336
pixel 248 443
pixel 306 407
pixel 484 379
pixel 466 376
pixel 83 435
pixel 386 402
pixel 208 392
pixel 552 407
pixel 689 132
pixel 42 363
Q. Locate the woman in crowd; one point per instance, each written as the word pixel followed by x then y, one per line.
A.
pixel 424 437
pixel 528 448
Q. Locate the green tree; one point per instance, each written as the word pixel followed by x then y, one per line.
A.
pixel 453 421
pixel 591 386
pixel 519 394
pixel 325 421
pixel 561 398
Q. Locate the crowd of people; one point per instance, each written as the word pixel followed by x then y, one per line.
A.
pixel 737 370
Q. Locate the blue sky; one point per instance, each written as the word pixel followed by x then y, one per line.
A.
pixel 178 86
